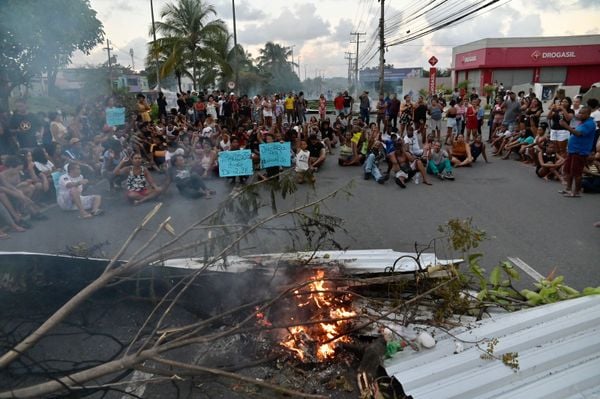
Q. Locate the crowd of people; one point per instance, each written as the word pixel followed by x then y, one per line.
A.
pixel 46 160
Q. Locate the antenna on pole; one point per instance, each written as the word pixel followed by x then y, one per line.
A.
pixel 132 62
pixel 110 72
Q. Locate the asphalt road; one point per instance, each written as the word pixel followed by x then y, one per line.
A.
pixel 522 215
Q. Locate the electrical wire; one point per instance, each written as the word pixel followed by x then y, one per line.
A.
pixel 455 18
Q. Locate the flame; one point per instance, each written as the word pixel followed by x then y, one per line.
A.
pixel 317 341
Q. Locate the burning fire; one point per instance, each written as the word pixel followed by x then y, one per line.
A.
pixel 316 341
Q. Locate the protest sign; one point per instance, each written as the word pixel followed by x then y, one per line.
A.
pixel 115 116
pixel 275 154
pixel 235 163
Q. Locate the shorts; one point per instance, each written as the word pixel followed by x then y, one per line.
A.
pixel 559 135
pixel 67 204
pixel 406 171
pixel 461 158
pixel 574 164
pixel 435 125
pixel 451 123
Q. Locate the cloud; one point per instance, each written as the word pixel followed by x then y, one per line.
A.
pixel 341 33
pixel 243 11
pixel 295 26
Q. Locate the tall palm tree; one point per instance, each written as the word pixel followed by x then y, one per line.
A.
pixel 185 29
pixel 274 57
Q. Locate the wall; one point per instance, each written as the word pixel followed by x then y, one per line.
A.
pixel 415 84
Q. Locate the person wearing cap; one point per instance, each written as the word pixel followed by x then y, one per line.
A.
pixel 74 154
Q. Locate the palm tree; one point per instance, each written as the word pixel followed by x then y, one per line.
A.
pixel 274 57
pixel 186 30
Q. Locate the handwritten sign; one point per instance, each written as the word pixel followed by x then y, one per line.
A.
pixel 275 154
pixel 235 163
pixel 115 116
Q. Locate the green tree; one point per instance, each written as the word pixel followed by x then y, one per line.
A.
pixel 40 36
pixel 273 62
pixel 186 30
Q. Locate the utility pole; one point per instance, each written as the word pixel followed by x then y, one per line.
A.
pixel 349 58
pixel 156 56
pixel 132 61
pixel 237 66
pixel 357 41
pixel 298 67
pixel 108 48
pixel 381 48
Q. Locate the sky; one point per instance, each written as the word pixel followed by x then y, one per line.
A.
pixel 319 31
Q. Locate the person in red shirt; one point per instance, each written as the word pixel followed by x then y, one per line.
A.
pixel 338 103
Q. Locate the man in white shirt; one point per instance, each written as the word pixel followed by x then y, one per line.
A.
pixel 411 142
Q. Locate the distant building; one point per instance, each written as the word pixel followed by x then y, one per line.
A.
pixel 369 77
pixel 567 60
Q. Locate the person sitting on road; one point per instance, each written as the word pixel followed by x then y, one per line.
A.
pixel 318 153
pixel 69 196
pixel 346 153
pixel 520 143
pixel 461 152
pixel 371 167
pixel 302 164
pixel 407 167
pixel 140 184
pixel 20 191
pixel 529 153
pixel 549 163
pixel 412 143
pixel 188 183
pixel 438 163
pixel 478 148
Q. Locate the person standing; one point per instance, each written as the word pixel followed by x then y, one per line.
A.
pixel 161 102
pixel 394 110
pixel 348 103
pixel 24 125
pixel 365 107
pixel 578 149
pixel 338 104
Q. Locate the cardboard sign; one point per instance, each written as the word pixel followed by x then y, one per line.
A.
pixel 235 163
pixel 275 154
pixel 115 116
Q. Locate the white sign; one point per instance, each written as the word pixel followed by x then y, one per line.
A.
pixel 559 54
pixel 471 58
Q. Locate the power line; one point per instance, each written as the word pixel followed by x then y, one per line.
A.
pixel 455 20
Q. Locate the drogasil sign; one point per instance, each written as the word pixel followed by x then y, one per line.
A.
pixel 536 55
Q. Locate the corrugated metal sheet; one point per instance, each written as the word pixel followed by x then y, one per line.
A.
pixel 359 261
pixel 558 348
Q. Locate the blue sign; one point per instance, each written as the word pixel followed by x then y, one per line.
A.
pixel 275 154
pixel 115 116
pixel 235 163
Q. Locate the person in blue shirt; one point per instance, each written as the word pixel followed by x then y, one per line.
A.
pixel 578 148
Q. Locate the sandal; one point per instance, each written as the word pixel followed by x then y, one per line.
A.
pixel 97 212
pixel 86 216
pixel 4 236
pixel 572 195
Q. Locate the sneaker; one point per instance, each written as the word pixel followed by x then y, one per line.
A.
pixel 367 175
pixel 448 176
pixel 399 182
pixel 439 176
pixel 381 181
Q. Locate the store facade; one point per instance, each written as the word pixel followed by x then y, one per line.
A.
pixel 568 60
